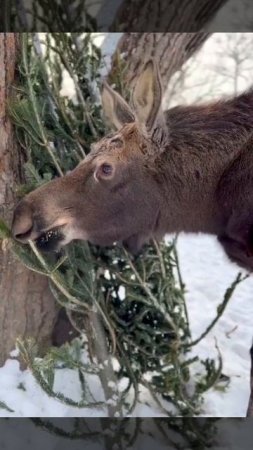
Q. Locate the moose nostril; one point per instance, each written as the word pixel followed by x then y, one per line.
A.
pixel 23 236
pixel 22 224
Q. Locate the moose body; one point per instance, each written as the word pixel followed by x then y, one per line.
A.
pixel 187 169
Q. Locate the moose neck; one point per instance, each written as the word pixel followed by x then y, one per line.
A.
pixel 204 141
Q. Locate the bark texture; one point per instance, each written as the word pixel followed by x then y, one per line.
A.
pixel 27 307
pixel 170 50
pixel 165 15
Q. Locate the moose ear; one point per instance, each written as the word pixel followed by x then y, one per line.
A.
pixel 115 107
pixel 147 96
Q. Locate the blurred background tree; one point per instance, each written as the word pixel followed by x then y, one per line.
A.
pixel 113 15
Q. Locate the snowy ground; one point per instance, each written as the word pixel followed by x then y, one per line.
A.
pixel 207 273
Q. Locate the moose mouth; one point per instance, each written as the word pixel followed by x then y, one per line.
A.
pixel 50 240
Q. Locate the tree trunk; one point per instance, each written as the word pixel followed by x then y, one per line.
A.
pixel 27 307
pixel 165 15
pixel 170 50
pixel 184 22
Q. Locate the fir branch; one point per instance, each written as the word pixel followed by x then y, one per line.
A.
pixel 6 407
pixel 28 352
pixel 34 105
pixel 220 309
pixel 149 293
pixel 54 277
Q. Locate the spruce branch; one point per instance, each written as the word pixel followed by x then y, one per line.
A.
pixel 220 309
pixel 33 100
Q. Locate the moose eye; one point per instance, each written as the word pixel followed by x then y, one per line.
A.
pixel 103 171
pixel 106 169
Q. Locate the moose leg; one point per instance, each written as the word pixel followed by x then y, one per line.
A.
pixel 237 252
pixel 235 198
pixel 237 239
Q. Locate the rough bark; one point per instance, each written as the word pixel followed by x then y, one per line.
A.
pixel 165 15
pixel 170 50
pixel 27 307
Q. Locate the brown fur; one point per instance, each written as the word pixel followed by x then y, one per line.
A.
pixel 189 169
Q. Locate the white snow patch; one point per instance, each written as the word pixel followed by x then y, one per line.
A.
pixel 14 353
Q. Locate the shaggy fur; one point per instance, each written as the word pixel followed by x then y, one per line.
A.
pixel 188 169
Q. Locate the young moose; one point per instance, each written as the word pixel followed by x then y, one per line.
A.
pixel 187 169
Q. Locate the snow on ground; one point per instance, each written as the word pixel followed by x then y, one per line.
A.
pixel 207 274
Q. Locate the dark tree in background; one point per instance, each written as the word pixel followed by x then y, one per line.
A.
pixel 170 50
pixel 127 15
pixel 165 15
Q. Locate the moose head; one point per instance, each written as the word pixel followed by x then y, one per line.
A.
pixel 112 195
pixel 187 169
